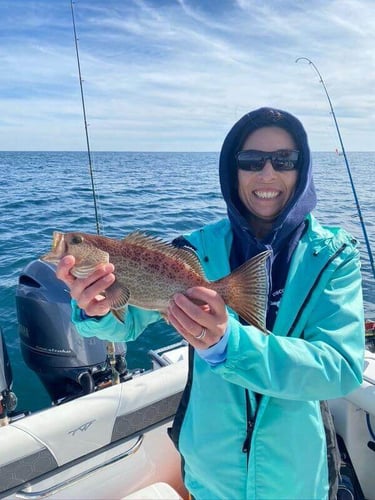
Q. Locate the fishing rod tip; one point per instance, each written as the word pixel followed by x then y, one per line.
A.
pixel 303 59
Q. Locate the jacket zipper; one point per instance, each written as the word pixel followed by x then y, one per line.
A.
pixel 250 421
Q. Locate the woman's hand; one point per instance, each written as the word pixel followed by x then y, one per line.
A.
pixel 88 291
pixel 202 326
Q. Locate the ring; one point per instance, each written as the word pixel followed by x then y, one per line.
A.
pixel 202 334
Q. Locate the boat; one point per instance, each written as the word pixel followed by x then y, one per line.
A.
pixel 107 438
pixel 105 435
pixel 102 436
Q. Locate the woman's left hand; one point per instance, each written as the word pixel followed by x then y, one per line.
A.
pixel 201 325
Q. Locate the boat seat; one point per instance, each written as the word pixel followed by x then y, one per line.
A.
pixel 156 491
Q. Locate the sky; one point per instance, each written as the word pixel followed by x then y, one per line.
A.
pixel 175 75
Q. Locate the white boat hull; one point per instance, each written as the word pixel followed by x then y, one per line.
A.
pixel 103 445
pixel 114 443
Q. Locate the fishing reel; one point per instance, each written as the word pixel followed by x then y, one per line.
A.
pixel 8 400
pixel 8 403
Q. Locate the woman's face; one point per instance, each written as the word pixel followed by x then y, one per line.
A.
pixel 265 193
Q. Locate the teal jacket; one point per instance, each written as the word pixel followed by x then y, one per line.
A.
pixel 314 352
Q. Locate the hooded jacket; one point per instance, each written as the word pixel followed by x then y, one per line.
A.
pixel 290 223
pixel 250 427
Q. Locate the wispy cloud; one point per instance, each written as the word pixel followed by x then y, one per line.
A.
pixel 175 75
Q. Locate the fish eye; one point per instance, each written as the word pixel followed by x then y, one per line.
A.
pixel 76 239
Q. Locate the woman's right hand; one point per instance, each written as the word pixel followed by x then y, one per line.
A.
pixel 87 291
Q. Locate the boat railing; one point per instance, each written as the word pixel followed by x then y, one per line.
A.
pixel 35 495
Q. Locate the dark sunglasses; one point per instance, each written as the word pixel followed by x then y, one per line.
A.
pixel 253 160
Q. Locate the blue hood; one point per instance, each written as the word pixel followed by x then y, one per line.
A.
pixel 302 202
pixel 289 225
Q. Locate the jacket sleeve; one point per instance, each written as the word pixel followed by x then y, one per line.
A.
pixel 109 328
pixel 326 363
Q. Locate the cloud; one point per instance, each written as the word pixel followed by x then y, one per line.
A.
pixel 175 75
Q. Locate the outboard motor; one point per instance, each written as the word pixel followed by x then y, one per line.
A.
pixel 8 400
pixel 67 364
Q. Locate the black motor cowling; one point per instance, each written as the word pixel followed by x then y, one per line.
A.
pixel 67 364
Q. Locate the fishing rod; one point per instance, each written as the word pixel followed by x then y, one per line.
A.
pixel 110 345
pixel 346 163
pixel 85 121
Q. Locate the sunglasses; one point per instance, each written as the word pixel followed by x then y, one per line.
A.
pixel 253 160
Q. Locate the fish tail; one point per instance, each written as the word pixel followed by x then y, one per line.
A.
pixel 245 290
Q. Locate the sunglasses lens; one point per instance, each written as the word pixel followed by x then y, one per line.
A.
pixel 252 165
pixel 285 160
pixel 282 164
pixel 250 160
pixel 254 161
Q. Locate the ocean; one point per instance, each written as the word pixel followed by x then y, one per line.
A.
pixel 165 194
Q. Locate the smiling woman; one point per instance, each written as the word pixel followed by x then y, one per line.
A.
pixel 249 394
pixel 265 193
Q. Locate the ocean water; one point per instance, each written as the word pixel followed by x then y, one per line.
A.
pixel 164 193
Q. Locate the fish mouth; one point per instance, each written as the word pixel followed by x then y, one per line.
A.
pixel 57 250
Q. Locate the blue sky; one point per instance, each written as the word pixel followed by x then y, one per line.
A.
pixel 174 75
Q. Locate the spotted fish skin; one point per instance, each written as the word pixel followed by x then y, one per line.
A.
pixel 150 271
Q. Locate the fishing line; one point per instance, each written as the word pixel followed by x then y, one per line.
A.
pixel 91 170
pixel 346 163
pixel 111 349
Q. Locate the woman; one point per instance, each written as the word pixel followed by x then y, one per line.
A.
pixel 249 424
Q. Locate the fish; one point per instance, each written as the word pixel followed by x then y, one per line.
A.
pixel 149 271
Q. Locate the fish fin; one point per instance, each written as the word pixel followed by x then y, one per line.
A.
pixel 246 290
pixel 183 254
pixel 190 257
pixel 117 295
pixel 119 314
